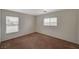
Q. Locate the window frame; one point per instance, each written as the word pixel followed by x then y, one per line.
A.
pixel 18 25
pixel 50 21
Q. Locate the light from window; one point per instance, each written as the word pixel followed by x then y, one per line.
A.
pixel 50 21
pixel 12 24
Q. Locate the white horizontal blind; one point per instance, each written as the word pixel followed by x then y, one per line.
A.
pixel 12 24
pixel 50 21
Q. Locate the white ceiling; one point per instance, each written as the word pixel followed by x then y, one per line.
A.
pixel 34 11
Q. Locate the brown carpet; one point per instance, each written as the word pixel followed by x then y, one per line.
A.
pixel 37 41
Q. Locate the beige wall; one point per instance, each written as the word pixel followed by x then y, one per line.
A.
pixel 66 28
pixel 78 25
pixel 26 24
pixel 0 25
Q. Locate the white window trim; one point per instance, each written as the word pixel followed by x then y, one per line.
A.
pixel 50 22
pixel 17 25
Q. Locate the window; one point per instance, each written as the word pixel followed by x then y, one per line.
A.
pixel 50 21
pixel 12 24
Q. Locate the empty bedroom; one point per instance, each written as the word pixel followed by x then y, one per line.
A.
pixel 39 28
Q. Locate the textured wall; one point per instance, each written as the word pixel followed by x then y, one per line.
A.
pixel 26 24
pixel 0 25
pixel 66 28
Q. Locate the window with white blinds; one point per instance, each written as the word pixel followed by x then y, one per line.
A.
pixel 12 24
pixel 50 21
